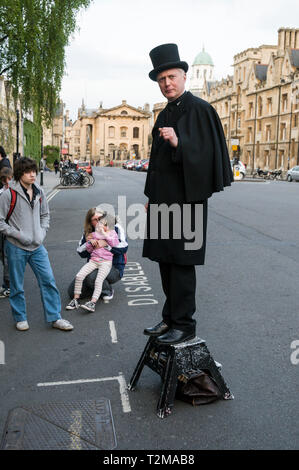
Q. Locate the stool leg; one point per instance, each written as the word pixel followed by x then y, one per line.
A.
pixel 166 400
pixel 139 367
pixel 226 394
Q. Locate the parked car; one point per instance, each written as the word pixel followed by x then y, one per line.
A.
pixel 239 168
pixel 130 165
pixel 293 174
pixel 85 166
pixel 139 165
pixel 126 163
pixel 145 166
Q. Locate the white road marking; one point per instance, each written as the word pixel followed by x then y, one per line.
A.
pixel 120 379
pixel 52 194
pixel 124 393
pixel 113 331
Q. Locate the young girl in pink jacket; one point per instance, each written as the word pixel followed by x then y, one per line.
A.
pixel 100 259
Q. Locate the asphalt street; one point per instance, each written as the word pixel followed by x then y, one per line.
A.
pixel 247 311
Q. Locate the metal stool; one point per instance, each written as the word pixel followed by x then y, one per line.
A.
pixel 171 361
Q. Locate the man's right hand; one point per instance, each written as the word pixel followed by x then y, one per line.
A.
pixel 146 207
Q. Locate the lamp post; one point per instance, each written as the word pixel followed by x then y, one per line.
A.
pixel 41 166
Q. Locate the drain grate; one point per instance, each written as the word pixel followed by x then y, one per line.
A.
pixel 78 425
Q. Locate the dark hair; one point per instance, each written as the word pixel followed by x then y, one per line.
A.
pixel 5 173
pixel 23 165
pixel 2 152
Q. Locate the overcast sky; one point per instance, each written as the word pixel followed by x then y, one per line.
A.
pixel 108 58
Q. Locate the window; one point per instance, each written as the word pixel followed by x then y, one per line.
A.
pixel 284 102
pixel 123 131
pixel 283 131
pixel 124 113
pixel 259 126
pixel 251 110
pixel 111 131
pixel 260 106
pixel 250 134
pixel 268 133
pixel 269 105
pixel 295 120
pixel 135 132
pixel 225 130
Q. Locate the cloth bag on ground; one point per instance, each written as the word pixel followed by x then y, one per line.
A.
pixel 197 388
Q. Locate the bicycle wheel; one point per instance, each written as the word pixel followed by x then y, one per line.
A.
pixel 64 181
pixel 85 181
pixel 91 179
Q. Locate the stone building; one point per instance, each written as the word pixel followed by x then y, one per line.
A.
pixel 259 104
pixel 54 134
pixel 202 69
pixel 9 120
pixel 116 133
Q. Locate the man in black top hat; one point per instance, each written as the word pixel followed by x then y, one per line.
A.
pixel 189 162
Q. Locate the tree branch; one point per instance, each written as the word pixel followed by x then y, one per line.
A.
pixel 5 70
pixel 3 38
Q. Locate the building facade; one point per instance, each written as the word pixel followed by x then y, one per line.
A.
pixel 259 104
pixel 11 122
pixel 102 135
pixel 202 70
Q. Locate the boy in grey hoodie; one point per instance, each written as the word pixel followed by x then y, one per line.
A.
pixel 25 232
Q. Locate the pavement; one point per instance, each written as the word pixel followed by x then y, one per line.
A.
pixel 50 181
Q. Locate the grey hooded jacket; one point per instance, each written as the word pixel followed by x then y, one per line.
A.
pixel 26 227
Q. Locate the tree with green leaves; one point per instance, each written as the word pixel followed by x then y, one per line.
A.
pixel 33 38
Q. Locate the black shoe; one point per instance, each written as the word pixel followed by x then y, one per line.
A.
pixel 175 336
pixel 157 330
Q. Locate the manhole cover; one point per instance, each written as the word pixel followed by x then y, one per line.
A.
pixel 73 425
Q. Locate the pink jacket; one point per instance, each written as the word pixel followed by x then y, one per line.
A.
pixel 102 254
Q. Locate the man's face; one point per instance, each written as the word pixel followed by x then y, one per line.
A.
pixel 172 83
pixel 29 177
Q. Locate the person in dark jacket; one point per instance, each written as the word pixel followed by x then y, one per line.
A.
pixel 119 257
pixel 4 162
pixel 189 162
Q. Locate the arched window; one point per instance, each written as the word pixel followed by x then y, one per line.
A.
pixel 260 106
pixel 135 132
pixel 111 131
pixel 123 131
pixel 124 113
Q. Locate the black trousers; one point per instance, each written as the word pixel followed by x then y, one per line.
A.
pixel 179 285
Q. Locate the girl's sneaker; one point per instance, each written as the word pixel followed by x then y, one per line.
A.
pixel 90 306
pixel 72 305
pixel 4 292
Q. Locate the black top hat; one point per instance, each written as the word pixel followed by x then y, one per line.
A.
pixel 165 57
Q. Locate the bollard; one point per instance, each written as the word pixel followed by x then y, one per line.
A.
pixel 41 181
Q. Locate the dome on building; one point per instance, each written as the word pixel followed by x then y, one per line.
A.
pixel 203 58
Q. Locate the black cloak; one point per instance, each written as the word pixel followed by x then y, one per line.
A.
pixel 189 174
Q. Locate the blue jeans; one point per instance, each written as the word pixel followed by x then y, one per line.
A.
pixel 40 265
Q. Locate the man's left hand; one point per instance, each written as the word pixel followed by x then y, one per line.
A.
pixel 168 134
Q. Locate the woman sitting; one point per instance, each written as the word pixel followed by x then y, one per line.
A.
pixel 119 257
